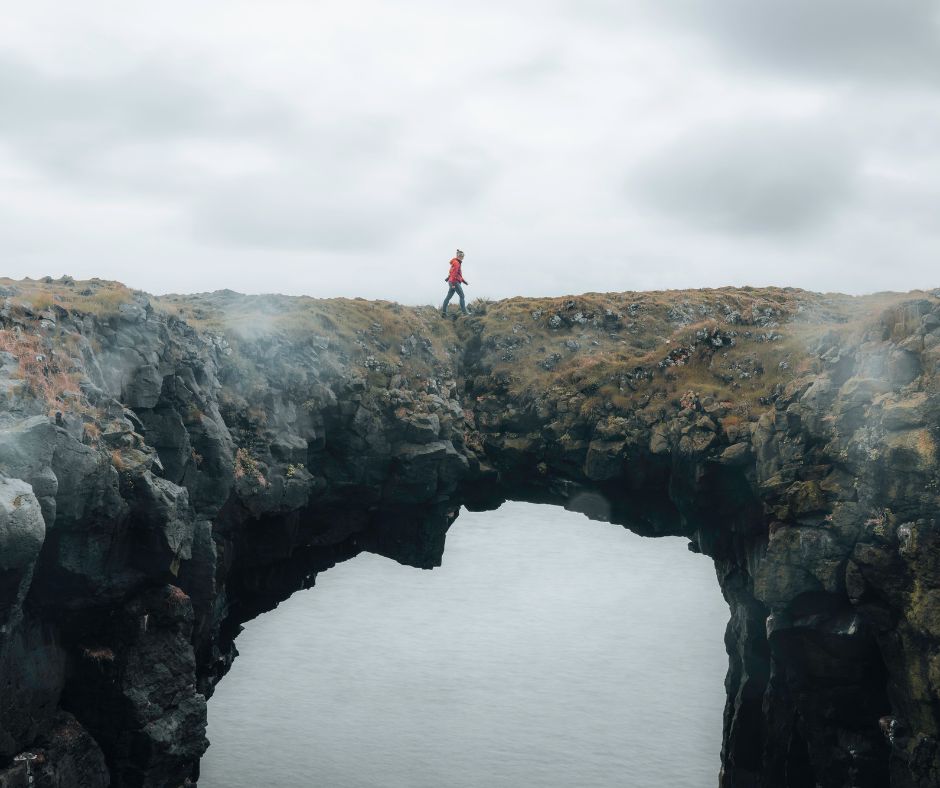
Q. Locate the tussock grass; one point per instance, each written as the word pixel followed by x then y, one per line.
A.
pixel 614 348
pixel 391 334
pixel 42 370
pixel 96 297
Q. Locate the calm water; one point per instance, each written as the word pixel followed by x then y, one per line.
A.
pixel 547 651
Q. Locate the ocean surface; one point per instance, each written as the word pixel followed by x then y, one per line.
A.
pixel 547 651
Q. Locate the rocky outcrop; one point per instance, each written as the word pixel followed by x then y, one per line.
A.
pixel 171 468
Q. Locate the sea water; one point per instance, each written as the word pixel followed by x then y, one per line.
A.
pixel 549 650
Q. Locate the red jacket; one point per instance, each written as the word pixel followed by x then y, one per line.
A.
pixel 455 276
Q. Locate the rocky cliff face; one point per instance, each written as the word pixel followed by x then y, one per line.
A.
pixel 170 468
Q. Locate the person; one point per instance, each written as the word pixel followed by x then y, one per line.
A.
pixel 455 280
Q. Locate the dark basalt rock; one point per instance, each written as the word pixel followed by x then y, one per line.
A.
pixel 201 479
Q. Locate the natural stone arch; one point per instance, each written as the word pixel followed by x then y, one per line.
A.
pixel 213 474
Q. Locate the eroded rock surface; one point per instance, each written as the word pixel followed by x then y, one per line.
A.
pixel 171 468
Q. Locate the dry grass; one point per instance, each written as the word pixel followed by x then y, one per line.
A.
pixel 613 348
pixel 41 300
pixel 177 595
pixel 103 302
pixel 385 334
pixel 95 297
pixel 247 467
pixel 619 349
pixel 98 654
pixel 43 370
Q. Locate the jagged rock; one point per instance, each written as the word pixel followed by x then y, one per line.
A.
pixel 143 390
pixel 422 428
pixel 697 441
pixel 736 454
pixel 163 508
pixel 165 431
pixel 906 413
pixel 289 448
pixel 421 468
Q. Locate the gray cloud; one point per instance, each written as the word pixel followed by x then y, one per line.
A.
pixel 322 206
pixel 70 125
pixel 455 178
pixel 774 179
pixel 533 70
pixel 854 39
pixel 294 211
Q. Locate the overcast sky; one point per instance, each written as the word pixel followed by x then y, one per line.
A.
pixel 347 147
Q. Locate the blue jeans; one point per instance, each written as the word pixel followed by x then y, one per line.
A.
pixel 455 288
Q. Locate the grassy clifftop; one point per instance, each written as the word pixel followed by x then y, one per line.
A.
pixel 614 351
pixel 619 351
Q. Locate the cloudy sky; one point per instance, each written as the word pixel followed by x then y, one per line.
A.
pixel 346 147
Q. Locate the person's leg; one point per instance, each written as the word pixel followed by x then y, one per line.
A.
pixel 450 295
pixel 463 303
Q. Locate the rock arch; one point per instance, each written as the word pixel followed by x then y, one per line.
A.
pixel 202 477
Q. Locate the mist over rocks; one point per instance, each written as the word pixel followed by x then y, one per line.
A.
pixel 184 463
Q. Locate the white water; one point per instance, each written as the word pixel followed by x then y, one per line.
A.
pixel 548 651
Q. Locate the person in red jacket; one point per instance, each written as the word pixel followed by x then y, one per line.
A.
pixel 455 280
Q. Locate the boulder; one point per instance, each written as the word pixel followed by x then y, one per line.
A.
pixel 26 449
pixel 736 454
pixel 22 528
pixel 143 389
pixel 22 532
pixel 422 428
